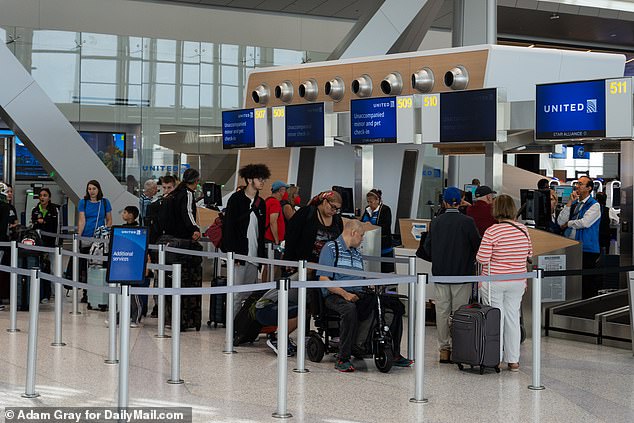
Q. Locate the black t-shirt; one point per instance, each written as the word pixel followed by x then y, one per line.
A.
pixel 324 234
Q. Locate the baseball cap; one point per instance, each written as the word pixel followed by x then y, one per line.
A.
pixel 452 195
pixel 483 190
pixel 277 185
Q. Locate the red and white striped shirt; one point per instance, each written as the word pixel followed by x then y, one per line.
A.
pixel 506 248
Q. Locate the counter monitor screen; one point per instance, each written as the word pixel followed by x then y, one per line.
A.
pixel 305 125
pixel 238 129
pixel 570 110
pixel 373 120
pixel 616 197
pixel 563 193
pixel 468 116
pixel 347 205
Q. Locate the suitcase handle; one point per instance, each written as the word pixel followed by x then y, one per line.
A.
pixel 476 305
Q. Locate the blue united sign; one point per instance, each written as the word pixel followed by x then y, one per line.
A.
pixel 238 129
pixel 570 110
pixel 128 255
pixel 373 120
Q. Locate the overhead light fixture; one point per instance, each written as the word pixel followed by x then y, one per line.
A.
pixel 209 135
pixel 167 133
pixel 628 61
pixel 531 46
pixel 612 35
pixel 589 51
pixel 554 16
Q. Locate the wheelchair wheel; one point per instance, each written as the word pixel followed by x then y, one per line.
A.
pixel 383 359
pixel 315 348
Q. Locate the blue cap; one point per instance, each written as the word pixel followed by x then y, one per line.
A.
pixel 277 185
pixel 452 196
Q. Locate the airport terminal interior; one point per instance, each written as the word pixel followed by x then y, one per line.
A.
pixel 361 108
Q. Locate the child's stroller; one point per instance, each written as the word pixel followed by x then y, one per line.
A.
pixel 373 340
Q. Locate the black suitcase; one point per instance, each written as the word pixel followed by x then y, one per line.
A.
pixel 475 337
pixel 217 304
pixel 191 305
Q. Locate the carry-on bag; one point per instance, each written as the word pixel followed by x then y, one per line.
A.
pixel 97 277
pixel 246 327
pixel 217 304
pixel 475 336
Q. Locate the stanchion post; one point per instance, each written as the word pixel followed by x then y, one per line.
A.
pixel 175 378
pixel 411 309
pixel 229 316
pixel 536 384
pixel 75 267
pixel 124 343
pixel 112 327
pixel 13 295
pixel 301 320
pixel 59 299
pixel 161 297
pixel 271 255
pixel 31 360
pixel 282 348
pixel 419 362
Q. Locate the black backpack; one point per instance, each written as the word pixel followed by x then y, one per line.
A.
pixel 246 328
pixel 152 220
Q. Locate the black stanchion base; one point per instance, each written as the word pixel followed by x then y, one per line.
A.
pixel 301 371
pixel 162 336
pixel 35 395
pixel 536 388
pixel 175 382
pixel 282 415
pixel 58 344
pixel 111 361
pixel 13 330
pixel 72 313
pixel 415 401
pixel 229 352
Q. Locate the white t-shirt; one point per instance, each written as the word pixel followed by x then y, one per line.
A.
pixel 252 233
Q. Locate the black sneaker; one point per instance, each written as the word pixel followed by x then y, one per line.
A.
pixel 154 312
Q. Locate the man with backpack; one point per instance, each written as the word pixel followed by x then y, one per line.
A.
pixel 244 224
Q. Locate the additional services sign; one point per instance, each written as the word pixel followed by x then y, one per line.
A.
pixel 246 128
pixel 584 109
pixel 128 255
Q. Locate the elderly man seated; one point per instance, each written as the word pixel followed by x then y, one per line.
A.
pixel 343 253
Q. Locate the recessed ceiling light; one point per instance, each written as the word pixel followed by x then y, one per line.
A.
pixel 167 133
pixel 554 16
pixel 612 35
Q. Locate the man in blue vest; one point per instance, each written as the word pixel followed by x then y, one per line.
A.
pixel 580 220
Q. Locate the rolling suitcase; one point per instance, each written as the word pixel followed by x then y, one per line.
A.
pixel 97 277
pixel 475 337
pixel 217 305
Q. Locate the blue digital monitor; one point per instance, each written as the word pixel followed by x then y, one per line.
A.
pixel 563 193
pixel 468 116
pixel 579 152
pixel 570 110
pixel 127 259
pixel 471 188
pixel 373 120
pixel 238 129
pixel 305 125
pixel 110 147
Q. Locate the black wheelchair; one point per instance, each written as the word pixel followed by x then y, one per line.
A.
pixel 377 342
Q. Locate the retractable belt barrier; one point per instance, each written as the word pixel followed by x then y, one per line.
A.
pixel 56 235
pixel 208 254
pixel 85 256
pixel 488 278
pixel 37 248
pixel 584 272
pixel 402 260
pixel 16 270
pixel 5 244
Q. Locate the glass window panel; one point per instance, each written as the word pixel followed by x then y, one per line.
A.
pixel 206 73
pixel 99 70
pixel 206 95
pixel 55 72
pixel 98 45
pixel 135 45
pixel 230 97
pixel 191 52
pixel 166 50
pixel 135 94
pixel 229 75
pixel 191 74
pixel 287 57
pixel 164 95
pixel 135 72
pixel 207 52
pixel 55 40
pixel 98 94
pixel 190 97
pixel 229 54
pixel 3 35
pixel 166 73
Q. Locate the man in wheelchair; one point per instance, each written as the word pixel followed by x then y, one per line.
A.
pixel 356 304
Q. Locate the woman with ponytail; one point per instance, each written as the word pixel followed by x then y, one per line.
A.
pixel 379 214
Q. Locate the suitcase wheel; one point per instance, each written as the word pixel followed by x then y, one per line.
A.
pixel 208 323
pixel 481 370
pixel 497 369
pixel 460 366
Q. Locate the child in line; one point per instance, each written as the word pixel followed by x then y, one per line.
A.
pixel 138 303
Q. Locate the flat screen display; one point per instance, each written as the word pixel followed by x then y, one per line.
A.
pixel 27 167
pixel 563 193
pixel 468 116
pixel 570 110
pixel 128 255
pixel 305 125
pixel 373 120
pixel 579 152
pixel 238 129
pixel 110 148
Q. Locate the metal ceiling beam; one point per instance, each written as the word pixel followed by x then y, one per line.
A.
pixel 412 37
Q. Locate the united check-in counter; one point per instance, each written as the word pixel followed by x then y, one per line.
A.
pixel 550 252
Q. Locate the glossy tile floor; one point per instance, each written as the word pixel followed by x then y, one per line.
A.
pixel 584 382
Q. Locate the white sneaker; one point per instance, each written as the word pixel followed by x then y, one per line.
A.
pixel 134 325
pixel 2 307
pixel 105 322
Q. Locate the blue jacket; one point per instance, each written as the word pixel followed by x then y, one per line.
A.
pixel 589 237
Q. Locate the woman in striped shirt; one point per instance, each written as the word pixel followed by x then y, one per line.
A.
pixel 504 249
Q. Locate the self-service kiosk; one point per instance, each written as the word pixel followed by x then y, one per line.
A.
pixel 614 195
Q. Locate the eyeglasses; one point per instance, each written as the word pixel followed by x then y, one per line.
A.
pixel 335 208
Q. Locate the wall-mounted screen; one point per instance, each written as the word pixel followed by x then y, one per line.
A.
pixel 305 125
pixel 110 148
pixel 373 120
pixel 27 167
pixel 563 193
pixel 579 152
pixel 570 110
pixel 468 115
pixel 238 129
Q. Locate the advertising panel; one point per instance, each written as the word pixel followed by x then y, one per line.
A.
pixel 128 255
pixel 570 110
pixel 373 120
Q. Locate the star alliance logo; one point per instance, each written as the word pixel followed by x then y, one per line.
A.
pixel 591 105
